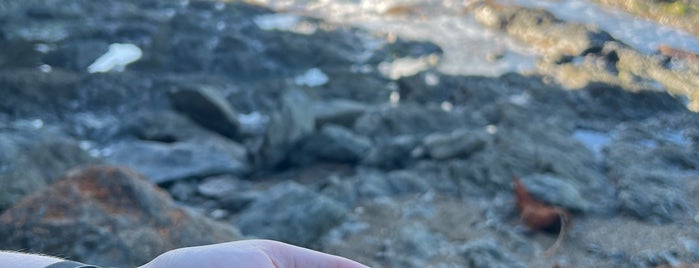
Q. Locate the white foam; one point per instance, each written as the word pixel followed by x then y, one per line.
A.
pixel 116 58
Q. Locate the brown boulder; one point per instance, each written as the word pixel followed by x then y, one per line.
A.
pixel 105 215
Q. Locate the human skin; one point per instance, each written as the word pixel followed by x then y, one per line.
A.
pixel 238 254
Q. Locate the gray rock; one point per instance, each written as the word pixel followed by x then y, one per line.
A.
pixel 339 111
pixel 220 186
pixel 653 202
pixel 556 191
pixel 295 121
pixel 164 162
pixel 32 159
pixel 205 107
pixel 459 143
pixel 110 215
pixel 291 213
pixel 333 143
pixel 486 254
pixel 393 153
pixel 239 201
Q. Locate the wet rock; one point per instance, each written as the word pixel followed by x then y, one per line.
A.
pixel 164 162
pixel 333 143
pixel 295 121
pixel 540 28
pixel 205 107
pixel 556 191
pixel 111 215
pixel 459 143
pixel 484 253
pixel 304 218
pixel 34 158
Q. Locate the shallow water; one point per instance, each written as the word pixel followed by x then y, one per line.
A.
pixel 468 47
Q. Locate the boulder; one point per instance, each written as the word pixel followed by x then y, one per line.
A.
pixel 333 143
pixel 339 111
pixel 459 143
pixel 32 159
pixel 485 253
pixel 291 213
pixel 106 215
pixel 286 127
pixel 556 191
pixel 205 107
pixel 165 162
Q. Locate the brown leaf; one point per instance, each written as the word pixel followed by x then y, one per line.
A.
pixel 539 216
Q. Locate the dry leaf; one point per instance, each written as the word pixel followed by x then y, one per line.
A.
pixel 539 216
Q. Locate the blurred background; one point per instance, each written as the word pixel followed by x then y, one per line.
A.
pixel 389 132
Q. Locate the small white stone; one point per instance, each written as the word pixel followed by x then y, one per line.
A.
pixel 312 78
pixel 116 58
pixel 45 68
pixel 491 129
pixel 447 106
pixel 431 79
pixel 394 98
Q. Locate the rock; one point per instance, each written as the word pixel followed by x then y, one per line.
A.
pixel 291 124
pixel 111 216
pixel 239 201
pixel 410 119
pixel 333 143
pixel 302 220
pixel 393 153
pixel 652 197
pixel 34 158
pixel 459 143
pixel 165 162
pixel 556 191
pixel 484 253
pixel 340 112
pixel 41 94
pixel 205 107
pixel 220 186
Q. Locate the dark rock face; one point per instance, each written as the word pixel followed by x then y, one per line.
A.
pixel 105 215
pixel 302 220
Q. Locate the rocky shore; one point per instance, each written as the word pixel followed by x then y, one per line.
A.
pixel 237 122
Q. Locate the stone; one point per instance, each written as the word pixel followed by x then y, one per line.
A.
pixel 333 143
pixel 556 191
pixel 459 143
pixel 207 108
pixel 112 217
pixel 393 153
pixel 286 127
pixel 220 186
pixel 32 159
pixel 166 162
pixel 485 253
pixel 338 111
pixel 291 213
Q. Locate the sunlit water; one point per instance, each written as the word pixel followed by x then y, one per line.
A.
pixel 468 47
